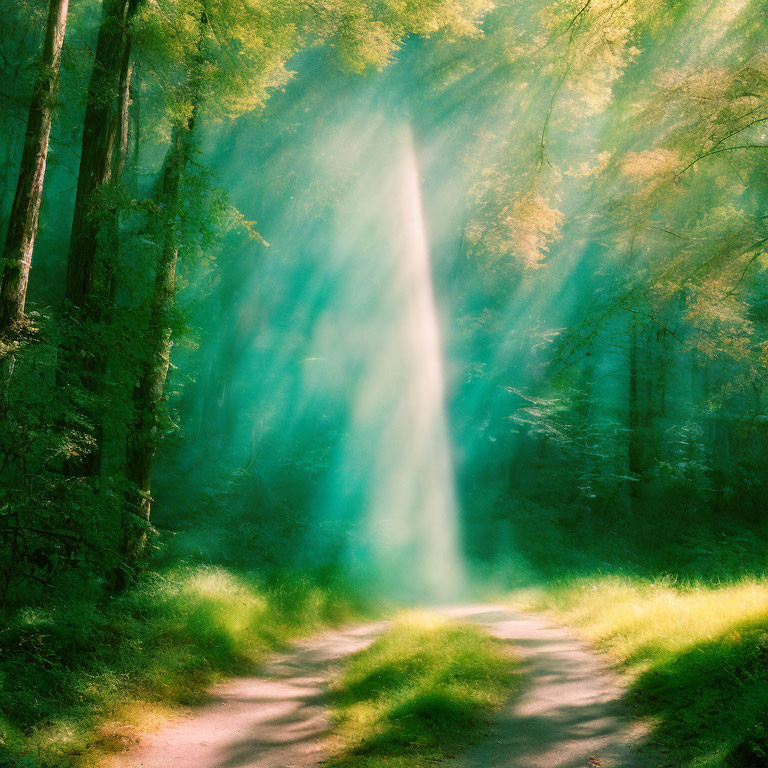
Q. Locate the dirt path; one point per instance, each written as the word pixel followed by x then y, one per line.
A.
pixel 278 720
pixel 567 716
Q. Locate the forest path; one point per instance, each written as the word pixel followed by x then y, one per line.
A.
pixel 568 715
pixel 278 719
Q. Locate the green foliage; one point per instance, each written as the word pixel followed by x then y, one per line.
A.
pixel 68 385
pixel 247 46
pixel 77 676
pixel 419 694
pixel 695 654
pixel 615 224
pixel 593 177
pixel 599 177
pixel 55 529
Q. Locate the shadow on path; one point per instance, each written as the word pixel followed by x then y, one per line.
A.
pixel 277 720
pixel 569 714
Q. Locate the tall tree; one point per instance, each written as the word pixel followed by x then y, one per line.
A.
pixel 89 279
pixel 22 227
pixel 143 434
pixel 266 36
pixel 102 129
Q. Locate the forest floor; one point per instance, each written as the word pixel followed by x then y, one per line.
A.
pixel 693 656
pixel 567 715
pixel 276 719
pixel 570 714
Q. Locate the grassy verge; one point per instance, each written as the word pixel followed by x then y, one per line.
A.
pixel 419 694
pixel 697 657
pixel 78 679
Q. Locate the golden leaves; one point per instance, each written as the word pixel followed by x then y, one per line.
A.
pixel 367 34
pixel 520 234
pixel 533 225
pixel 653 167
pixel 596 164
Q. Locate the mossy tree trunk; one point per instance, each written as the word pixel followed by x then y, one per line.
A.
pixel 148 395
pixel 148 392
pixel 90 278
pixel 22 226
pixel 102 129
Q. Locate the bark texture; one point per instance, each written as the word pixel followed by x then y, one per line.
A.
pixel 90 282
pixel 148 393
pixel 102 134
pixel 22 226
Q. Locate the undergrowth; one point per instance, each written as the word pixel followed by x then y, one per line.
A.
pixel 696 655
pixel 419 694
pixel 78 679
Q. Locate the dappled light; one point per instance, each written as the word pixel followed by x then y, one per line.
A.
pixel 324 322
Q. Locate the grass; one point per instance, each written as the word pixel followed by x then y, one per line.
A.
pixel 79 679
pixel 696 656
pixel 419 694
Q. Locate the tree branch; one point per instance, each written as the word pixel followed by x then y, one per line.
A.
pixel 717 152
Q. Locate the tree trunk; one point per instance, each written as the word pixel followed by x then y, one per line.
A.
pixel 635 439
pixel 90 280
pixel 147 400
pixel 111 229
pixel 143 436
pixel 96 365
pixel 22 227
pixel 101 134
pixel 636 448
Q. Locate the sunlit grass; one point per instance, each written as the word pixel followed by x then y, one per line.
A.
pixel 696 656
pixel 78 679
pixel 419 694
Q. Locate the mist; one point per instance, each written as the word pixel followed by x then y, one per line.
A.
pixel 483 302
pixel 423 343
